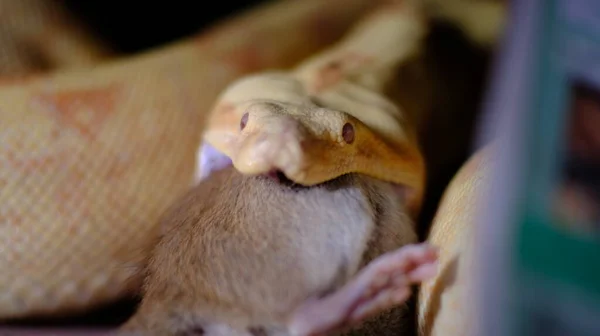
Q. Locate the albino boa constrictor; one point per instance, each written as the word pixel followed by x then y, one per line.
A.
pixel 82 147
pixel 445 302
pixel 89 158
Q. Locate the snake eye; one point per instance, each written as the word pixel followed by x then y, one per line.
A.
pixel 244 121
pixel 348 133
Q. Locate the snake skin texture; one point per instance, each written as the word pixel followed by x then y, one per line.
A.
pixel 444 301
pixel 90 157
pixel 93 148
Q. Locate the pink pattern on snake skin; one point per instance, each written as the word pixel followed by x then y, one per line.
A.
pixel 246 58
pixel 82 110
pixel 28 164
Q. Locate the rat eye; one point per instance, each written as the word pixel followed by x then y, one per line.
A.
pixel 244 121
pixel 348 133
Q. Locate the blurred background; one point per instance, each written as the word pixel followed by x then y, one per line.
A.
pixel 141 25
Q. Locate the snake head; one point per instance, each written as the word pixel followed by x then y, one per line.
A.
pixel 269 124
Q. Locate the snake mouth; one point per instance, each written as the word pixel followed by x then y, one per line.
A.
pixel 280 177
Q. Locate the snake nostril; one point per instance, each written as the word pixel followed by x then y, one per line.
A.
pixel 244 121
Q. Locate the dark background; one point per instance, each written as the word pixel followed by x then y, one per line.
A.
pixel 134 26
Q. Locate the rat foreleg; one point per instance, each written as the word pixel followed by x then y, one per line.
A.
pixel 382 284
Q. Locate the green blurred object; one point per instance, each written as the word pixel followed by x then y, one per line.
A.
pixel 546 262
pixel 558 257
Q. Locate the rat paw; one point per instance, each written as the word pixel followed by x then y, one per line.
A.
pixel 381 285
pixel 386 282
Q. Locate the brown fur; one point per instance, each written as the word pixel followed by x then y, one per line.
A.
pixel 243 252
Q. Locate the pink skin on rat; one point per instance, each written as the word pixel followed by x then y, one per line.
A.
pixel 383 284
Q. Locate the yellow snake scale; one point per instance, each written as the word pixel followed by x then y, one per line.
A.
pixel 94 148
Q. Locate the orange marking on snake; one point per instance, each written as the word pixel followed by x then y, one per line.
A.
pixel 27 163
pixel 244 59
pixel 71 108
